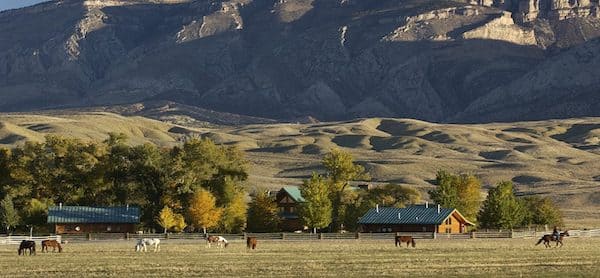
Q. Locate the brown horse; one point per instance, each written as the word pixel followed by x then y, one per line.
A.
pixel 407 239
pixel 27 244
pixel 51 243
pixel 251 242
pixel 547 238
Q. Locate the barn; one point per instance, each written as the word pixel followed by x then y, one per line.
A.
pixel 82 219
pixel 288 200
pixel 417 218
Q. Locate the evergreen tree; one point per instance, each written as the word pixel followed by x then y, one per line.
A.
pixel 262 214
pixel 501 208
pixel 316 211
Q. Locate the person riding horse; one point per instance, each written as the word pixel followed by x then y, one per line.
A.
pixel 556 233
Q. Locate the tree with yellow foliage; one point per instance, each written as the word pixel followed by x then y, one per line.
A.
pixel 234 214
pixel 203 211
pixel 166 218
pixel 179 223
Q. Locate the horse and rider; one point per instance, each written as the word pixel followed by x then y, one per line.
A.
pixel 556 236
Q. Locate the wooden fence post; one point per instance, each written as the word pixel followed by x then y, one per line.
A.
pixel 127 236
pixel 89 236
pixel 320 236
pixel 434 235
pixel 245 236
pixel 282 236
pixel 357 235
pixel 472 234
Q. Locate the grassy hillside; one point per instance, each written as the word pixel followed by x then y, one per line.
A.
pixel 558 158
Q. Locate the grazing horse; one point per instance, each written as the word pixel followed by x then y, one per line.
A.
pixel 27 244
pixel 142 244
pixel 547 238
pixel 407 239
pixel 219 240
pixel 251 242
pixel 51 243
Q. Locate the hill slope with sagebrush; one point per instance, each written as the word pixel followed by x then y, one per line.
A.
pixel 557 158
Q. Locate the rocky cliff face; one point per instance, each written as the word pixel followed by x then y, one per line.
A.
pixel 287 59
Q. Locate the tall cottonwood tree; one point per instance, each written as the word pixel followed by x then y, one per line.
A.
pixel 8 214
pixel 166 219
pixel 462 191
pixel 542 211
pixel 203 211
pixel 315 211
pixel 501 208
pixel 340 171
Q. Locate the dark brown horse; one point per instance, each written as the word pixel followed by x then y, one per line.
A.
pixel 251 242
pixel 407 239
pixel 547 238
pixel 51 243
pixel 27 244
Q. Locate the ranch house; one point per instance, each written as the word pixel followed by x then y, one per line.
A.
pixel 288 199
pixel 417 218
pixel 80 219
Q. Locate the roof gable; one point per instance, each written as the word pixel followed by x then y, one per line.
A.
pixel 82 214
pixel 294 193
pixel 418 214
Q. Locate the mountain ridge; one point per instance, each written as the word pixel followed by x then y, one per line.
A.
pixel 441 61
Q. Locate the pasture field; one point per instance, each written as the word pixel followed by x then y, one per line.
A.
pixel 580 257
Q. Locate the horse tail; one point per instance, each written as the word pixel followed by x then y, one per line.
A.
pixel 540 241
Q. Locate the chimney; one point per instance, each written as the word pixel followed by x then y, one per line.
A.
pixel 60 205
pixel 127 208
pixel 426 204
pixel 398 215
pixel 377 208
pixel 438 208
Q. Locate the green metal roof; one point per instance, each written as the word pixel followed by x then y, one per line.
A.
pixel 294 192
pixel 419 214
pixel 79 214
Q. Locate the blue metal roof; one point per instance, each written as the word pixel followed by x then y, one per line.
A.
pixel 80 214
pixel 419 214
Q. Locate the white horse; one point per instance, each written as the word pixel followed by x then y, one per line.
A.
pixel 219 240
pixel 142 244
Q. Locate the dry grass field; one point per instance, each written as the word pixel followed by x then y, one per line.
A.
pixel 450 258
pixel 557 158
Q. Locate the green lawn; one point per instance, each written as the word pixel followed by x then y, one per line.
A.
pixel 478 257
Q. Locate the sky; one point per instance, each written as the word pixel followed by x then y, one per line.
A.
pixel 13 4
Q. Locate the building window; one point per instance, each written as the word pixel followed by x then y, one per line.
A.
pixel 448 230
pixel 449 221
pixel 292 209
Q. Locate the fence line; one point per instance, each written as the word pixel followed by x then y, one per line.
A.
pixel 13 240
pixel 298 236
